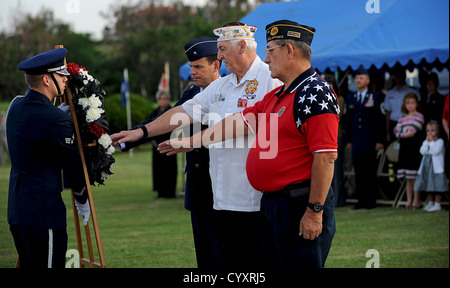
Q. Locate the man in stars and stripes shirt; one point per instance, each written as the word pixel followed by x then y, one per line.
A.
pixel 292 159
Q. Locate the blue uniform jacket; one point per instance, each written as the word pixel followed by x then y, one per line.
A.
pixel 198 197
pixel 364 122
pixel 198 194
pixel 41 143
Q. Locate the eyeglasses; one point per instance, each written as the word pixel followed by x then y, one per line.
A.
pixel 431 130
pixel 268 50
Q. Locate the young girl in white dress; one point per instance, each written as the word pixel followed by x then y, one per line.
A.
pixel 431 177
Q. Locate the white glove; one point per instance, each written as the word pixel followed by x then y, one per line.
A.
pixel 64 108
pixel 120 147
pixel 83 210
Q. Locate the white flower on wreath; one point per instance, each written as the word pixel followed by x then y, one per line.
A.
pixel 93 114
pixel 110 150
pixel 105 141
pixel 94 101
pixel 86 75
pixel 84 102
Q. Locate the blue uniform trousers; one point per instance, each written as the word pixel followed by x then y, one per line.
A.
pixel 40 247
pixel 205 240
pixel 283 215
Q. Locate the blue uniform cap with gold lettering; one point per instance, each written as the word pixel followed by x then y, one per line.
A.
pixel 200 48
pixel 46 63
pixel 286 29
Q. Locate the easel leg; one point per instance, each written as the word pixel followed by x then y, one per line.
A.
pixel 77 230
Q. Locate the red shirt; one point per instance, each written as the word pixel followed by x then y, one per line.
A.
pixel 303 120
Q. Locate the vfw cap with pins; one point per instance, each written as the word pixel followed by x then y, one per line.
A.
pixel 286 29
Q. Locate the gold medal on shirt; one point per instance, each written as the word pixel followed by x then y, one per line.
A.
pixel 251 87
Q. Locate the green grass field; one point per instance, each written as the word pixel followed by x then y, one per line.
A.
pixel 138 230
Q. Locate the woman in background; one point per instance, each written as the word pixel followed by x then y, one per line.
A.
pixel 164 167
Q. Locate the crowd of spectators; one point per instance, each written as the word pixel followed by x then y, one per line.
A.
pixel 406 115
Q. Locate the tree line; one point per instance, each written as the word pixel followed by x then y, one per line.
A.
pixel 141 37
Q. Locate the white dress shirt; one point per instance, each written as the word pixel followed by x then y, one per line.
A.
pixel 223 97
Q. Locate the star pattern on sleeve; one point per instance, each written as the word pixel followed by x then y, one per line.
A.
pixel 314 97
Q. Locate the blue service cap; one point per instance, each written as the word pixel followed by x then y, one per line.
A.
pixel 200 48
pixel 45 63
pixel 362 71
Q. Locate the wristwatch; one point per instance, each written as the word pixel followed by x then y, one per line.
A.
pixel 316 207
pixel 144 130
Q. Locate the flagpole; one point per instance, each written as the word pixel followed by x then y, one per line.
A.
pixel 127 93
pixel 167 71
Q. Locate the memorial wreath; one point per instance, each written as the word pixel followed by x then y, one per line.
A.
pixel 88 98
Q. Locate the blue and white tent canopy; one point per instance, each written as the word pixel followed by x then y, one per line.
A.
pixel 350 33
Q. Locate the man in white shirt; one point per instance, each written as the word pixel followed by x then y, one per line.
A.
pixel 237 204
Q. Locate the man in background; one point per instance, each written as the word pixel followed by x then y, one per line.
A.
pixel 364 137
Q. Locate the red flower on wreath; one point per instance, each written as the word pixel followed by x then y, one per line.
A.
pixel 73 69
pixel 96 130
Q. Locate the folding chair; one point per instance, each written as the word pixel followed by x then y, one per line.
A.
pixel 391 154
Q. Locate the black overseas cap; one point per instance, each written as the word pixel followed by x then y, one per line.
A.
pixel 45 63
pixel 286 29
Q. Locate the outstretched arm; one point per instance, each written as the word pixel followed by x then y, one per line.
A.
pixel 160 126
pixel 232 126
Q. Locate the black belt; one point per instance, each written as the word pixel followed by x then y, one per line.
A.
pixel 292 191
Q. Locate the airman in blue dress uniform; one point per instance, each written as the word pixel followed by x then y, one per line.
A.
pixel 41 144
pixel 365 135
pixel 202 56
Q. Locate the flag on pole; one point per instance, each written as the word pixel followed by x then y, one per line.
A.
pixel 124 88
pixel 165 79
pixel 125 101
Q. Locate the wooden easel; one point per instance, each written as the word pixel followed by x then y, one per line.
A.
pixel 84 261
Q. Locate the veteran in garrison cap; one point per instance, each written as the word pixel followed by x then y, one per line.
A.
pixel 41 144
pixel 299 205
